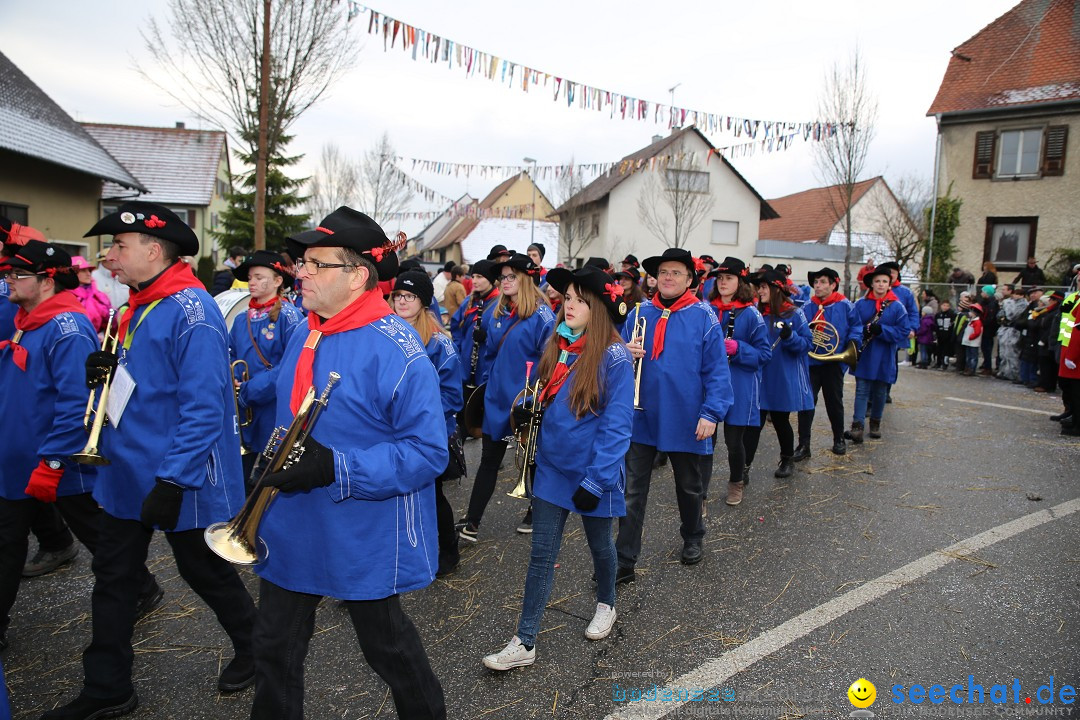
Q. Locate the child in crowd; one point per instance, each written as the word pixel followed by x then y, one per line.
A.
pixel 924 336
pixel 944 335
pixel 972 342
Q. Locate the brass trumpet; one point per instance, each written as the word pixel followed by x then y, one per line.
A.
pixel 90 454
pixel 247 415
pixel 639 336
pixel 238 540
pixel 827 337
pixel 526 436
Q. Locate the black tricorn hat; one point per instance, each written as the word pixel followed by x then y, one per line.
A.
pixel 418 283
pixel 42 258
pixel 772 277
pixel 354 230
pixel 731 266
pixel 826 271
pixel 679 255
pixel 486 268
pixel 596 281
pixel 522 263
pixel 266 259
pixel 149 219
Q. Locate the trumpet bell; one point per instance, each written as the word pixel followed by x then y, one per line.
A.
pixel 222 538
pixel 849 357
pixel 90 456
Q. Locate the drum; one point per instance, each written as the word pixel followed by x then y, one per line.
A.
pixel 232 303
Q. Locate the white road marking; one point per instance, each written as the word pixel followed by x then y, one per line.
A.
pixel 1003 407
pixel 716 671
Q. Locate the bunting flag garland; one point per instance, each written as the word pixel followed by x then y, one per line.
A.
pixel 436 49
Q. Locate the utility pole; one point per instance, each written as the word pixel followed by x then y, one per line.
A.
pixel 262 156
pixel 532 228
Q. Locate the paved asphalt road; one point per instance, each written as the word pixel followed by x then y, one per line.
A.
pixel 946 471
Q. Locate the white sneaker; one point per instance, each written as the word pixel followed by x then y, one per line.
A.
pixel 601 623
pixel 512 656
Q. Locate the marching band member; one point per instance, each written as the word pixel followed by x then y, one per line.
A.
pixel 685 391
pixel 828 305
pixel 174 452
pixel 785 378
pixel 42 366
pixel 354 515
pixel 466 325
pixel 911 308
pixel 514 333
pixel 631 265
pixel 412 293
pixel 259 337
pixel 884 326
pixel 587 394
pixel 746 346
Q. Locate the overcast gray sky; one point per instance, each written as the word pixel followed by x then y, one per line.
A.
pixel 753 59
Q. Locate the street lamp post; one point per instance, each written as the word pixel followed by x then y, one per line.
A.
pixel 532 228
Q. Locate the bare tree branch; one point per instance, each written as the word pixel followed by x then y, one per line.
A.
pixel 675 199
pixel 901 218
pixel 381 188
pixel 575 227
pixel 335 183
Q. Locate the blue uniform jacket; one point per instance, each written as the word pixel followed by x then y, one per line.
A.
pixel 440 350
pixel 911 320
pixel 745 365
pixel 599 441
pixel 7 312
pixel 785 379
pixel 878 361
pixel 44 405
pixel 689 381
pixel 841 315
pixel 372 533
pixel 180 424
pixel 260 392
pixel 505 365
pixel 462 333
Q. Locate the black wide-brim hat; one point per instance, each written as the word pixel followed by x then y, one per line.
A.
pixel 632 261
pixel 266 259
pixel 731 266
pixel 498 251
pixel 149 219
pixel 42 258
pixel 825 271
pixel 625 275
pixel 771 277
pixel 599 262
pixel 679 255
pixel 486 268
pixel 352 229
pixel 522 263
pixel 596 281
pixel 891 265
pixel 418 283
pixel 882 269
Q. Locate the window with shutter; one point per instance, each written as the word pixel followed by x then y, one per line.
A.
pixel 985 142
pixel 1054 152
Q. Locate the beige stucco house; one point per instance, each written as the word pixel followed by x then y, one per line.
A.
pixel 1008 117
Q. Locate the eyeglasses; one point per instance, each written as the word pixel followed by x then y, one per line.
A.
pixel 406 297
pixel 15 275
pixel 312 267
pixel 672 273
pixel 508 278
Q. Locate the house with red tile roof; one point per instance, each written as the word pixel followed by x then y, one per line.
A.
pixel 183 169
pixel 1008 118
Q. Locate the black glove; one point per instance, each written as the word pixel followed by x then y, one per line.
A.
pixel 785 332
pixel 874 329
pixel 99 365
pixel 314 469
pixel 522 414
pixel 479 336
pixel 162 506
pixel 584 500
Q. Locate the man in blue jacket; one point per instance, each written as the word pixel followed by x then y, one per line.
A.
pixel 173 449
pixel 355 518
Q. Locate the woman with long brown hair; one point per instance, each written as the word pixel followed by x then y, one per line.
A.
pixel 587 397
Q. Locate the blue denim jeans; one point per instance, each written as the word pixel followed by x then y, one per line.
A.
pixel 924 354
pixel 872 393
pixel 548 523
pixel 1029 372
pixel 972 357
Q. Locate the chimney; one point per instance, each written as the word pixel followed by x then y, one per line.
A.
pixel 179 126
pixel 657 138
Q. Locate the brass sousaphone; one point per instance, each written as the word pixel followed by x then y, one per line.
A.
pixel 826 340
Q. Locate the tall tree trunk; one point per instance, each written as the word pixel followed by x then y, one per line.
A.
pixel 262 156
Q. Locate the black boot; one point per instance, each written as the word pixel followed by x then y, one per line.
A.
pixel 855 434
pixel 875 428
pixel 802 452
pixel 839 447
pixel 787 467
pixel 86 708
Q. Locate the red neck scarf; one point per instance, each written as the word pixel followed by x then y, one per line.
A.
pixel 784 308
pixel 685 300
pixel 365 309
pixel 562 370
pixel 877 301
pixel 178 277
pixel 896 282
pixel 46 310
pixel 834 297
pixel 475 305
pixel 252 305
pixel 733 305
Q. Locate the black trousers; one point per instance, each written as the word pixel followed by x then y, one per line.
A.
pixel 781 422
pixel 1070 396
pixel 122 548
pixel 16 519
pixel 828 379
pixel 639 466
pixel 491 456
pixel 388 639
pixel 49 528
pixel 736 455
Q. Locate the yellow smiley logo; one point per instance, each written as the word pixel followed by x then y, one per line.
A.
pixel 862 693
